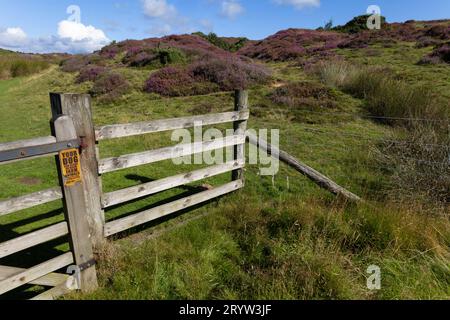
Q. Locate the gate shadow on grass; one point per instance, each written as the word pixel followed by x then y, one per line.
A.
pixel 188 191
pixel 30 257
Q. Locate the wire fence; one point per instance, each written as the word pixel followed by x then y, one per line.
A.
pixel 398 162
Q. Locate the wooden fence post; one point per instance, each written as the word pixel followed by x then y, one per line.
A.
pixel 78 107
pixel 240 128
pixel 75 205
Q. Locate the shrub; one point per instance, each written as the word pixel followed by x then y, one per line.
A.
pixel 110 86
pixel 424 42
pixel 205 77
pixel 230 74
pixel 90 73
pixel 138 59
pixel 110 52
pixel 439 31
pixel 357 24
pixel 228 44
pixel 304 94
pixel 292 44
pixel 170 81
pixel 441 54
pixel 77 62
pixel 143 56
pixel 170 56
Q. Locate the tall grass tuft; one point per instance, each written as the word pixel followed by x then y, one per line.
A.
pixel 21 66
pixel 384 95
pixel 419 158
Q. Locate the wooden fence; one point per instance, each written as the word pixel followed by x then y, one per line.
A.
pixel 75 145
pixel 65 141
pixel 75 142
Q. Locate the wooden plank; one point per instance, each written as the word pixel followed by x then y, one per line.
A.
pixel 30 200
pixel 126 223
pixel 78 107
pixel 240 128
pixel 36 272
pixel 62 289
pixel 315 176
pixel 76 213
pixel 27 143
pixel 29 158
pixel 133 129
pixel 33 239
pixel 143 190
pixel 138 159
pixel 49 280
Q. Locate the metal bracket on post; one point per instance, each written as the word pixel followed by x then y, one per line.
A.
pixel 40 150
pixel 86 265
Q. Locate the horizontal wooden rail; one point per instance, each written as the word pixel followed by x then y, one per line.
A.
pixel 27 143
pixel 143 190
pixel 36 272
pixel 30 200
pixel 312 174
pixel 63 288
pixel 49 280
pixel 33 239
pixel 138 159
pixel 133 129
pixel 126 223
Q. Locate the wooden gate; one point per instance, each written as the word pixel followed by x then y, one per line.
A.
pixel 75 145
pixel 64 145
pixel 239 117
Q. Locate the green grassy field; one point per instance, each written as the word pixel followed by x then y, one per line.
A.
pixel 276 239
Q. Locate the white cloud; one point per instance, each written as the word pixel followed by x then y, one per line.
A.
pixel 164 18
pixel 299 4
pixel 158 9
pixel 82 38
pixel 72 37
pixel 231 8
pixel 11 38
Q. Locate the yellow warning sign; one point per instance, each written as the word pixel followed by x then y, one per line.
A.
pixel 70 165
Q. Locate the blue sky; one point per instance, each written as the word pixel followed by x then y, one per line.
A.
pixel 45 25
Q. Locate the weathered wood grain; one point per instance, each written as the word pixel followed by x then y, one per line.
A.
pixel 143 190
pixel 27 143
pixel 59 290
pixel 240 127
pixel 133 129
pixel 49 280
pixel 36 272
pixel 126 223
pixel 30 200
pixel 33 239
pixel 138 159
pixel 78 107
pixel 75 208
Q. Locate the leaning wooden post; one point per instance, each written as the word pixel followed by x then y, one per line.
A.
pixel 240 128
pixel 75 207
pixel 78 107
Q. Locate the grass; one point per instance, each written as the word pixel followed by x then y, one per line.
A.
pixel 13 66
pixel 273 240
